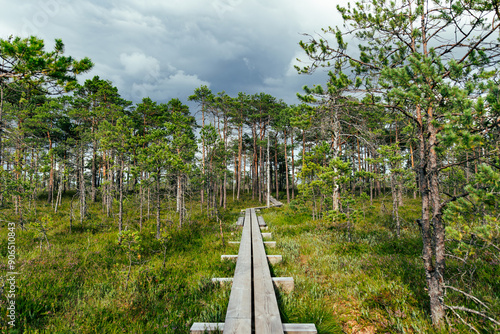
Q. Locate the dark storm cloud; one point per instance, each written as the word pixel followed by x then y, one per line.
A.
pixel 166 49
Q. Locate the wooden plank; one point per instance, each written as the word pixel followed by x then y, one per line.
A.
pixel 284 283
pixel 240 221
pixel 273 259
pixel 261 221
pixel 267 235
pixel 266 312
pixel 271 244
pixel 212 327
pixel 239 310
pixel 299 329
pixel 207 327
pixel 275 202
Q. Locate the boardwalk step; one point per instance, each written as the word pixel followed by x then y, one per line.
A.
pixel 207 327
pixel 240 221
pixel 261 221
pixel 271 244
pixel 284 283
pixel 212 327
pixel 273 259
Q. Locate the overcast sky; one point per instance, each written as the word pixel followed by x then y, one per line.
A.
pixel 167 48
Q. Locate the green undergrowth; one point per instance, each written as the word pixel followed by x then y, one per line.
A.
pixel 77 282
pixel 372 284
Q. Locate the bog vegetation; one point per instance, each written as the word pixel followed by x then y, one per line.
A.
pixel 389 171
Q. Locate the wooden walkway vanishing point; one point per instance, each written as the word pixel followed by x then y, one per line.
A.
pixel 253 307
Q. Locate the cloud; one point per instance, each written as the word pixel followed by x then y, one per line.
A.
pixel 169 48
pixel 179 85
pixel 139 64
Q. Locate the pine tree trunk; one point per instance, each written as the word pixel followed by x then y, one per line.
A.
pixel 158 221
pixel 276 166
pixel 180 196
pixel 235 180
pixel 50 192
pixel 395 204
pixel 261 169
pixel 224 195
pixel 243 172
pixel 149 202
pixel 293 165
pixel 203 185
pixel 433 233
pixel 109 189
pixel 286 169
pixel 120 191
pixel 240 149
pixel 141 204
pixel 60 188
pixel 83 202
pixel 93 181
pixel 1 129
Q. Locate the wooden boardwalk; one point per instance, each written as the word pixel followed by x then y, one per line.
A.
pixel 253 306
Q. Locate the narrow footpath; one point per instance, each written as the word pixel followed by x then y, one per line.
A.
pixel 253 306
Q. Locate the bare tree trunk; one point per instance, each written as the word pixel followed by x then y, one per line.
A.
pixel 120 190
pixel 261 168
pixel 235 180
pixel 60 188
pixel 336 153
pixel 413 168
pixel 276 165
pixel 104 178
pixel 141 205
pixel 224 187
pixel 180 196
pixel 1 125
pixel 83 202
pixel 109 189
pixel 286 169
pixel 50 192
pixel 149 202
pixel 158 220
pixel 395 204
pixel 243 176
pixel 255 167
pixel 293 166
pixel 93 181
pixel 240 149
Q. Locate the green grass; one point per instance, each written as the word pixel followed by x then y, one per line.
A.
pixel 374 284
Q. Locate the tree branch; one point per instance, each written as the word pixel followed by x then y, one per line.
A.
pixel 465 309
pixel 467 295
pixel 465 322
pixel 452 199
